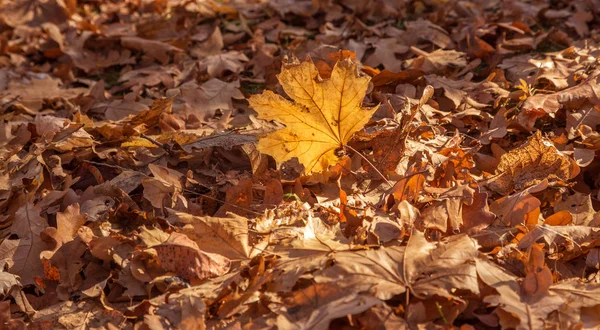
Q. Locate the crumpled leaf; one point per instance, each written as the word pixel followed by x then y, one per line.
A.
pixel 5 319
pixel 33 12
pixel 447 213
pixel 323 117
pixel 76 315
pixel 529 164
pixel 582 302
pixel 35 91
pixel 571 240
pixel 165 185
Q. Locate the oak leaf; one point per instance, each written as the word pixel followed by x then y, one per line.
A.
pixel 322 118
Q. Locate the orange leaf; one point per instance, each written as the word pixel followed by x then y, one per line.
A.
pixel 538 277
pixel 238 198
pixel 560 218
pixel 531 218
pixel 273 192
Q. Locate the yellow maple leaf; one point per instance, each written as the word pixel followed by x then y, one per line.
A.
pixel 322 118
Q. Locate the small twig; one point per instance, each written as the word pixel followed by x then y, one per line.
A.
pixel 163 146
pixel 373 166
pixel 441 312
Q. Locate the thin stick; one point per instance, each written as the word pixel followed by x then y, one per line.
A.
pixel 373 166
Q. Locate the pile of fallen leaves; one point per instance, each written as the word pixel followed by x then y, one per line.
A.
pixel 260 164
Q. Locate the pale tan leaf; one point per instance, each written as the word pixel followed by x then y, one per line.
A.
pixel 227 236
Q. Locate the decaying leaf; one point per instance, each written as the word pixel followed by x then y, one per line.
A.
pixel 579 207
pixel 322 118
pixel 530 163
pixel 181 256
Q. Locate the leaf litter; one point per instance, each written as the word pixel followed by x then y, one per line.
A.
pixel 299 164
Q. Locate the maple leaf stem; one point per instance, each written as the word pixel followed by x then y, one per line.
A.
pixel 373 166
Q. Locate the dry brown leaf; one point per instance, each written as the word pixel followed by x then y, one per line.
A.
pixel 529 164
pixel 518 208
pixel 478 213
pixel 166 185
pixel 513 310
pixel 151 116
pixel 214 95
pixel 424 30
pixel 32 93
pixel 8 283
pixel 238 199
pixel 217 65
pixel 446 214
pixel 67 225
pixel 33 12
pixel 157 49
pixel 538 277
pixel 439 61
pixel 181 256
pixel 582 301
pixel 6 321
pixel 382 317
pixel 386 272
pixel 571 98
pixel 572 240
pixel 273 193
pixel 385 54
pixel 326 303
pixel 580 208
pixel 73 315
pixel 411 185
pixel 227 236
pixel 21 255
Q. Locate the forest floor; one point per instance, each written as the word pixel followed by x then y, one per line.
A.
pixel 310 164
